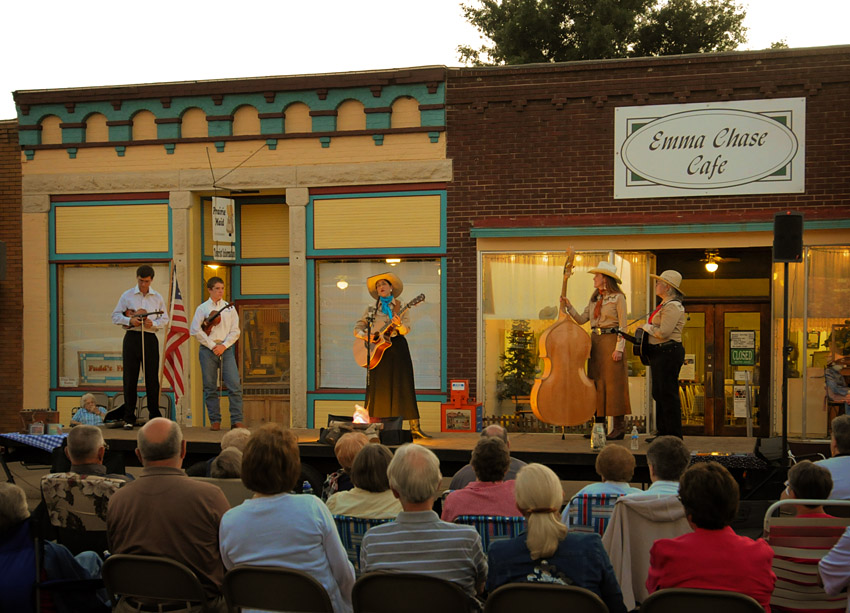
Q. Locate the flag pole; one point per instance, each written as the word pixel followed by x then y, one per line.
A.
pixel 172 276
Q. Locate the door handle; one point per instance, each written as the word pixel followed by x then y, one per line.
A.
pixel 709 383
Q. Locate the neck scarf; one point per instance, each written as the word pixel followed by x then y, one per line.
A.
pixel 386 305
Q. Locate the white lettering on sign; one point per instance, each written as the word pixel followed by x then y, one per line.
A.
pixel 707 149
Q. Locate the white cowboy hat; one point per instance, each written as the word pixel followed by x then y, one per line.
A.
pixel 607 269
pixel 390 278
pixel 671 278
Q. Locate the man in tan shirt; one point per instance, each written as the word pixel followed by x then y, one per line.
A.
pixel 165 513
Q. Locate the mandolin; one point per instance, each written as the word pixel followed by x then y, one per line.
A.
pixel 563 395
pixel 141 314
pixel 213 319
pixel 380 341
pixel 641 344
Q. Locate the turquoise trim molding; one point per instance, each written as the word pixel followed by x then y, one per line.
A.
pixel 66 257
pixel 444 313
pixel 228 104
pixel 756 226
pixel 424 251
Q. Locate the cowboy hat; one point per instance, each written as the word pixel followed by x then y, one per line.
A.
pixel 390 278
pixel 671 278
pixel 607 269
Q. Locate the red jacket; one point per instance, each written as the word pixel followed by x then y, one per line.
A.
pixel 713 560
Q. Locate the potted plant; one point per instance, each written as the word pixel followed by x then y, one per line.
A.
pixel 519 364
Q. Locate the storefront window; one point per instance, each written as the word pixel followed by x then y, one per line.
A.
pixel 819 314
pixel 526 287
pixel 89 343
pixel 342 298
pixel 265 347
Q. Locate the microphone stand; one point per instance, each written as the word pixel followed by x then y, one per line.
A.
pixel 370 319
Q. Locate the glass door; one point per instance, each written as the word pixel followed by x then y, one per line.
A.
pixel 725 369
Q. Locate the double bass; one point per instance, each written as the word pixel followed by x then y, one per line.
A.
pixel 563 395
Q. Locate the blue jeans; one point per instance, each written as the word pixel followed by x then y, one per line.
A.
pixel 230 377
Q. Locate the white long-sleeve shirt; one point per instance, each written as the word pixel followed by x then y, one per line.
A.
pixel 227 332
pixel 134 299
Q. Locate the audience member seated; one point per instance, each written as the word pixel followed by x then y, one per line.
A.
pixel 616 466
pixel 419 541
pixel 489 494
pixel 165 513
pixel 667 458
pixel 834 567
pixel 279 528
pixel 18 561
pixel 466 475
pixel 839 464
pixel 345 450
pixel 810 481
pixel 88 413
pixel 85 450
pixel 546 552
pixel 712 557
pixel 227 464
pixel 371 497
pixel 237 438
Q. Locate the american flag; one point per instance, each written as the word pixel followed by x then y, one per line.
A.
pixel 178 334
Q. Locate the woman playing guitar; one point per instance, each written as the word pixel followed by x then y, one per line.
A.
pixel 391 390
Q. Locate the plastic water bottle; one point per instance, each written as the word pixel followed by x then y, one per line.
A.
pixel 306 488
pixel 188 418
pixel 597 437
pixel 634 442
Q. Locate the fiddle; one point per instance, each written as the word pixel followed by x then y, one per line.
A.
pixel 140 315
pixel 213 319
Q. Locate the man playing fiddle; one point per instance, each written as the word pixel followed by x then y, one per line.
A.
pixel 141 311
pixel 216 326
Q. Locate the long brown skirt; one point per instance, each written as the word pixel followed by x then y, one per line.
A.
pixel 392 391
pixel 611 378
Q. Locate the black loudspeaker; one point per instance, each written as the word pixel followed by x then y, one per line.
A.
pixel 788 237
pixel 769 449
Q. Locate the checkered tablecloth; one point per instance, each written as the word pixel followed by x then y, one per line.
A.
pixel 48 442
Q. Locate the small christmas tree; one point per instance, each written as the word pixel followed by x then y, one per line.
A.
pixel 519 363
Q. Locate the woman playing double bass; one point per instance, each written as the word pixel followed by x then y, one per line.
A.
pixel 391 391
pixel 606 311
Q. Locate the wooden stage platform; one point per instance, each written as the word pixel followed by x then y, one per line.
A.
pixel 571 457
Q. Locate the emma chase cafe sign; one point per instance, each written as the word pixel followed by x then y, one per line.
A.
pixel 676 150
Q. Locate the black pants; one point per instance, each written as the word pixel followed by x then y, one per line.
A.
pixel 132 354
pixel 666 361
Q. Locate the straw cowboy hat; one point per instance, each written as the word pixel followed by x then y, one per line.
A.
pixel 607 269
pixel 671 278
pixel 390 278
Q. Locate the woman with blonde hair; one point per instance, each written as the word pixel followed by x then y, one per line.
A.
pixel 546 552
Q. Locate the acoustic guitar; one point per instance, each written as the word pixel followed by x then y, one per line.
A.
pixel 641 344
pixel 380 341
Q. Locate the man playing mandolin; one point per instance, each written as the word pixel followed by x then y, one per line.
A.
pixel 141 312
pixel 216 326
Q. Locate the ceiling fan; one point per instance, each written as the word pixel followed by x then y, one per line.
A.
pixel 712 259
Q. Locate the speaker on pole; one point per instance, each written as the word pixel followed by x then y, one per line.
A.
pixel 788 237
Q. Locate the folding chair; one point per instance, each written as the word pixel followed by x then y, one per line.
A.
pixel 351 531
pixel 493 527
pixel 272 588
pixel 798 545
pixel 543 597
pixel 678 599
pixel 383 592
pixel 144 581
pixel 591 512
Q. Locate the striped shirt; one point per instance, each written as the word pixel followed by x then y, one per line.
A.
pixel 419 542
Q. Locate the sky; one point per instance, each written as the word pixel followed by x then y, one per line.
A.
pixel 48 44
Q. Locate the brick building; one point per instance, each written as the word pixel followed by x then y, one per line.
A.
pixel 536 168
pixel 11 374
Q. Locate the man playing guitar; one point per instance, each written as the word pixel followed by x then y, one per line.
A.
pixel 141 312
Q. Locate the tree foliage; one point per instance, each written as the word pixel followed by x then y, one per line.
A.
pixel 531 31
pixel 519 363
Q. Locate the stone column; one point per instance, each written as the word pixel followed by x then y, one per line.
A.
pixel 181 203
pixel 35 210
pixel 296 200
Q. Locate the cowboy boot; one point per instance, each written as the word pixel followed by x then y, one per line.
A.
pixel 416 430
pixel 618 428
